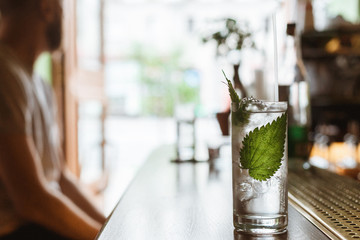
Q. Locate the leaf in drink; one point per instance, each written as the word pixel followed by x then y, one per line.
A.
pixel 239 117
pixel 263 148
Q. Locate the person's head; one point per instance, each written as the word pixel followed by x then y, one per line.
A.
pixel 44 16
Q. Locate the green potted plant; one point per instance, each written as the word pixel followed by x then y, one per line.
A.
pixel 230 41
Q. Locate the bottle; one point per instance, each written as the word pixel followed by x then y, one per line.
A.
pixel 309 17
pixel 299 105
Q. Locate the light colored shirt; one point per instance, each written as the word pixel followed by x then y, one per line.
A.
pixel 26 108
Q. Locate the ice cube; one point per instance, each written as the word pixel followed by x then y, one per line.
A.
pixel 267 198
pixel 261 187
pixel 244 186
pixel 245 191
pixel 266 203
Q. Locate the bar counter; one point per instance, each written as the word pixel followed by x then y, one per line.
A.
pixel 169 200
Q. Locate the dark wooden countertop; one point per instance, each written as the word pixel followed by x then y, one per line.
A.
pixel 186 201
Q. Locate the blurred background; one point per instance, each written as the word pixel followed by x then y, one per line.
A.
pixel 135 75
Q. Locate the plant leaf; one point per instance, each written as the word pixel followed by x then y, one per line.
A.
pixel 233 95
pixel 241 116
pixel 263 149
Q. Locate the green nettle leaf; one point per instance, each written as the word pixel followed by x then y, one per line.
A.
pixel 233 95
pixel 241 116
pixel 263 149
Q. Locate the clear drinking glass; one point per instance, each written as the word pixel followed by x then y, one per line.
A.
pixel 259 206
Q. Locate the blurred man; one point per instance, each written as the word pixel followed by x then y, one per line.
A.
pixel 39 199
